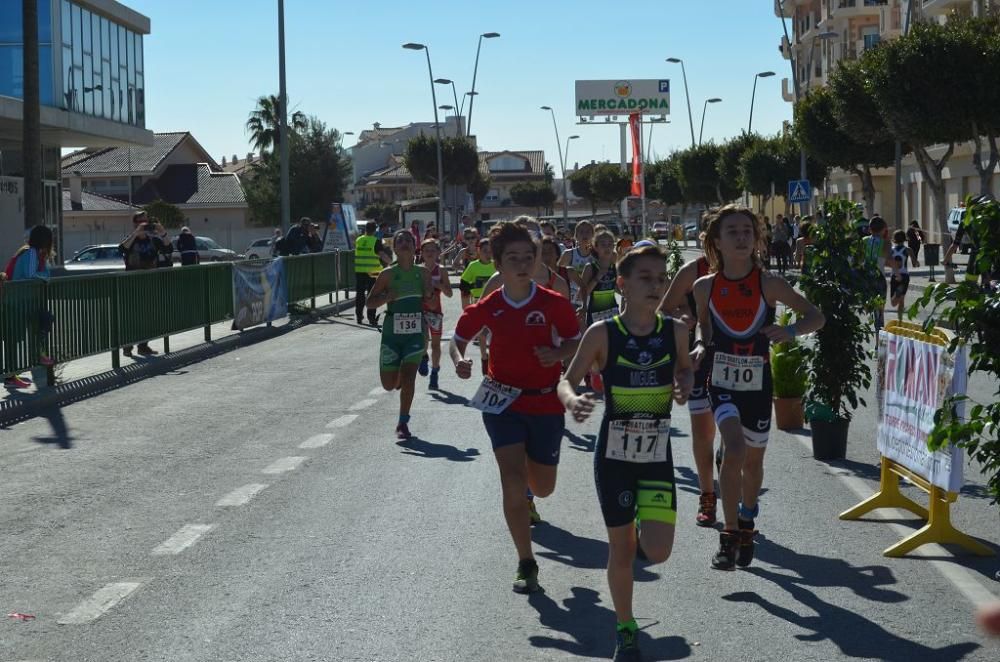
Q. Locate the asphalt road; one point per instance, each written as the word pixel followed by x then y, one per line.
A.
pixel 255 507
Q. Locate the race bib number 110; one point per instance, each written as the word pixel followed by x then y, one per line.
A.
pixel 738 373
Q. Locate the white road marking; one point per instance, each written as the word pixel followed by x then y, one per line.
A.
pixel 378 390
pixel 965 581
pixel 284 464
pixel 241 495
pixel 100 603
pixel 317 441
pixel 184 538
pixel 343 421
pixel 363 404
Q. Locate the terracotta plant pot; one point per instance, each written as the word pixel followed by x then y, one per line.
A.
pixel 788 413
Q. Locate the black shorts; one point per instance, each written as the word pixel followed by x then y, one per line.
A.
pixel 698 402
pixel 627 490
pixel 898 285
pixel 752 408
pixel 541 434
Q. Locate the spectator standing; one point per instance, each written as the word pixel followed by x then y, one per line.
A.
pixel 187 247
pixel 914 238
pixel 314 242
pixel 31 261
pixel 165 249
pixel 276 242
pixel 779 245
pixel 140 250
pixel 296 242
pixel 367 267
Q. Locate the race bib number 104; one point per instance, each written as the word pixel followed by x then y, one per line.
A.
pixel 494 397
pixel 639 441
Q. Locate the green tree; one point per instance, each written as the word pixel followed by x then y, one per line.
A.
pixel 762 165
pixel 479 187
pixel 920 88
pixel 169 215
pixel 579 183
pixel 550 174
pixel 609 183
pixel 662 183
pixel 817 128
pixel 730 155
pixel 382 212
pixel 533 194
pixel 459 160
pixel 698 174
pixel 264 122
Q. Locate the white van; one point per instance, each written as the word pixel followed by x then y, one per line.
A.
pixel 955 218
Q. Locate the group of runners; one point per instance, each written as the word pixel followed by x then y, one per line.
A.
pixel 605 313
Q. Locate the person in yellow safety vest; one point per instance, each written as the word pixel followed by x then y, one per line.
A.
pixel 368 261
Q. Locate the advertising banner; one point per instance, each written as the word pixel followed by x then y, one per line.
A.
pixel 260 293
pixel 913 379
pixel 622 97
pixel 637 179
pixel 340 225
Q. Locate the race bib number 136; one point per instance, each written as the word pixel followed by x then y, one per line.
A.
pixel 404 324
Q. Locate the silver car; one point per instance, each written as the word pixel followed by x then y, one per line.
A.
pixel 208 251
pixel 103 257
pixel 259 248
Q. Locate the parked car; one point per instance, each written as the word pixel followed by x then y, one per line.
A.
pixel 691 231
pixel 661 230
pixel 955 218
pixel 102 257
pixel 208 251
pixel 259 248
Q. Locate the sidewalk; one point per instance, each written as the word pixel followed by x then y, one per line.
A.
pixel 91 375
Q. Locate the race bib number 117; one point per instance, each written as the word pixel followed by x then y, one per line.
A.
pixel 638 441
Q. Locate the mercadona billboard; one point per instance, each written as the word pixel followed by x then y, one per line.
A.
pixel 622 97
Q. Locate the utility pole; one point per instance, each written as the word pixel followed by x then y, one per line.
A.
pixel 286 203
pixel 32 124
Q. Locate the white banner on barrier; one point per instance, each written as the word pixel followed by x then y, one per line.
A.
pixel 913 378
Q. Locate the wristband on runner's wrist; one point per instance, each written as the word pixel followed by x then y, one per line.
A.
pixel 792 330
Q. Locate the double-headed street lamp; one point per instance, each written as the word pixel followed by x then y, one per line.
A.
pixel 446 108
pixel 687 95
pixel 562 161
pixel 762 74
pixel 701 131
pixel 475 70
pixel 437 128
pixel 448 81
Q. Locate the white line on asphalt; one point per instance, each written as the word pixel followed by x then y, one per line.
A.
pixel 317 441
pixel 99 603
pixel 363 404
pixel 284 464
pixel 241 495
pixel 378 390
pixel 343 421
pixel 184 538
pixel 962 579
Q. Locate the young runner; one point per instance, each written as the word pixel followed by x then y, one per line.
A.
pixel 471 285
pixel 600 280
pixel 736 305
pixel 402 288
pixel 877 253
pixel 645 361
pixel 900 281
pixel 575 260
pixel 679 302
pixel 531 330
pixel 433 312
pixel 543 275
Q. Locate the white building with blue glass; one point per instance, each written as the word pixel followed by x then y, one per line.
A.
pixel 93 88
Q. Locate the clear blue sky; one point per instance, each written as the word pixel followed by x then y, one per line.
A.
pixel 208 60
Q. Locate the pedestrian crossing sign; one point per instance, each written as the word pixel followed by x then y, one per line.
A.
pixel 799 190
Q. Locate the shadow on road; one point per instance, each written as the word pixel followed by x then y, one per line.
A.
pixel 578 551
pixel 586 443
pixel 449 398
pixel 428 449
pixel 591 627
pixel 852 633
pixel 60 431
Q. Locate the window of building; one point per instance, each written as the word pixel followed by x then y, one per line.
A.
pixel 870 36
pixel 508 163
pixel 492 196
pixel 12 51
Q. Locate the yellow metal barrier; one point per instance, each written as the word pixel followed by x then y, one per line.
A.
pixel 939 528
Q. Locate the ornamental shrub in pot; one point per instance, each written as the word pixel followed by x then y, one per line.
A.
pixel 843 285
pixel 788 375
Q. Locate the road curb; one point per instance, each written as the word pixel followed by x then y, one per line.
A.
pixel 35 404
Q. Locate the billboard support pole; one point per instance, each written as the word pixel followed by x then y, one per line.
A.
pixel 624 141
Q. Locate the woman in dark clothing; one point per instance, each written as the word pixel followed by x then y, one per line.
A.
pixel 187 247
pixel 914 237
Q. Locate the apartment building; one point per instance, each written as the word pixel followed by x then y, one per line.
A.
pixel 824 32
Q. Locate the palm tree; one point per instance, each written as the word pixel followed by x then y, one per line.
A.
pixel 263 123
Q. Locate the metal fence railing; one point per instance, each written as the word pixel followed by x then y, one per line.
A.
pixel 104 312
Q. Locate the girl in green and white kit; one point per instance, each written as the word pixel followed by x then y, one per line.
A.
pixel 403 288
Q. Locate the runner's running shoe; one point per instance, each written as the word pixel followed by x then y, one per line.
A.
pixel 627 646
pixel 402 432
pixel 16 382
pixel 526 579
pixel 706 509
pixel 424 366
pixel 744 555
pixel 432 383
pixel 725 558
pixel 535 517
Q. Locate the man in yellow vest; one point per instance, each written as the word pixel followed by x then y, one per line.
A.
pixel 368 259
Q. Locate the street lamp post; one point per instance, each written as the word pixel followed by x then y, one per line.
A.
pixel 437 128
pixel 446 107
pixel 475 70
pixel 687 95
pixel 448 81
pixel 470 95
pixel 286 203
pixel 562 163
pixel 763 74
pixel 701 131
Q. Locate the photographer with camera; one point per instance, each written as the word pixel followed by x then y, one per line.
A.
pixel 142 250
